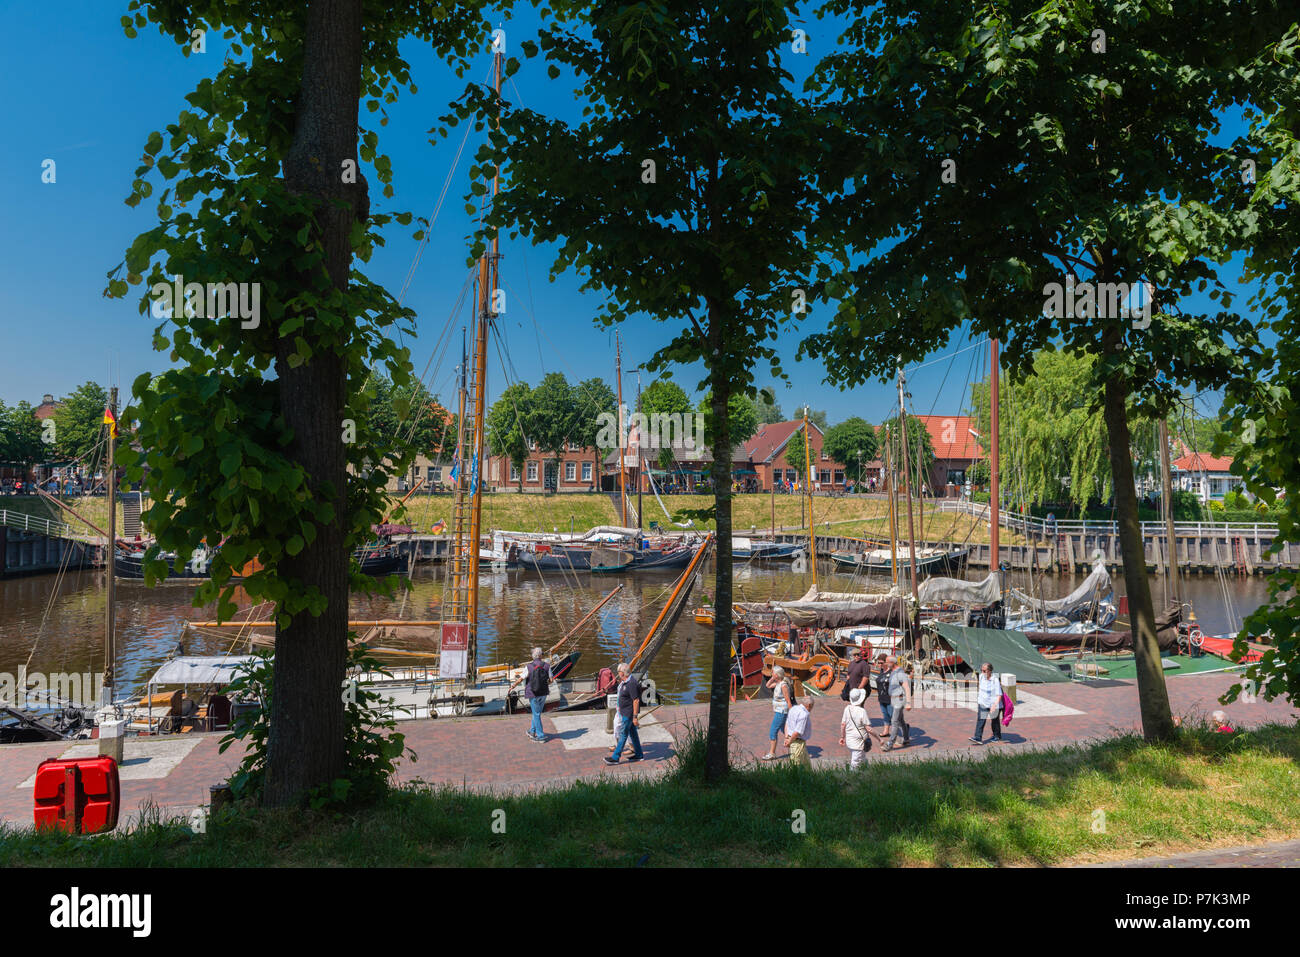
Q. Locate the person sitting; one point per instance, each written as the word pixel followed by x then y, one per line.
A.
pixel 1220 721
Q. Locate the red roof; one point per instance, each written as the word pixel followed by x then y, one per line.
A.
pixel 951 436
pixel 771 439
pixel 1203 463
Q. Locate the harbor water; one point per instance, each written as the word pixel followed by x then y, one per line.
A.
pixel 51 629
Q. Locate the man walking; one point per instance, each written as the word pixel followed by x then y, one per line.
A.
pixel 537 686
pixel 887 664
pixel 900 693
pixel 798 728
pixel 988 705
pixel 629 709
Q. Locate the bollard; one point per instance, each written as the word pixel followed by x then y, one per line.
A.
pixel 112 737
pixel 611 709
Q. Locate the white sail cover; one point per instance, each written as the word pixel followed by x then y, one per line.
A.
pixel 202 670
pixel 1096 585
pixel 937 590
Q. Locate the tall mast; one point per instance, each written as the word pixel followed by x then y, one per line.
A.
pixel 1167 500
pixel 640 458
pixel 893 517
pixel 807 471
pixel 622 436
pixel 994 460
pixel 110 557
pixel 907 485
pixel 460 605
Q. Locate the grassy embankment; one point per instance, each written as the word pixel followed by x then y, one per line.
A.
pixel 1118 799
pixel 850 516
pixel 93 509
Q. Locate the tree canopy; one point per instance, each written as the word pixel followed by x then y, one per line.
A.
pixel 79 421
pixel 1008 153
pixel 851 442
pixel 684 194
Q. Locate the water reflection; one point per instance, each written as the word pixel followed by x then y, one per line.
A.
pixel 51 629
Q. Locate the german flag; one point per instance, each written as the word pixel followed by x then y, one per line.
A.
pixel 110 420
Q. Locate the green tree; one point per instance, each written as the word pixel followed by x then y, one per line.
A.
pixel 554 417
pixel 1052 434
pixel 796 455
pixel 816 416
pixel 920 450
pixel 742 418
pixel 685 194
pixel 853 443
pixel 507 434
pixel 769 410
pixel 409 417
pixel 1009 150
pixel 593 399
pixel 20 435
pixel 665 397
pixel 79 421
pixel 258 437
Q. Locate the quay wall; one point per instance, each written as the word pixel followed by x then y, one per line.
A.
pixel 32 553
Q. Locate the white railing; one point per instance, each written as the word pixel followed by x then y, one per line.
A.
pixel 42 526
pixel 1042 527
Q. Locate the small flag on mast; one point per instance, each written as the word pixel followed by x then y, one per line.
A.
pixel 111 421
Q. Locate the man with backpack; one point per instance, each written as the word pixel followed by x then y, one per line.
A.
pixel 537 685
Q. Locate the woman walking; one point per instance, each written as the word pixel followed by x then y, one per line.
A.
pixel 855 728
pixel 988 705
pixel 782 701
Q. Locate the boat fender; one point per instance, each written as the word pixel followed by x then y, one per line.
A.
pixel 824 677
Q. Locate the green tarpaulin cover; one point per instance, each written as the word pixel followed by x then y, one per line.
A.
pixel 1009 651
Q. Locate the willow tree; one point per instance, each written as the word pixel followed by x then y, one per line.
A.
pixel 1053 440
pixel 257 438
pixel 1018 156
pixel 682 195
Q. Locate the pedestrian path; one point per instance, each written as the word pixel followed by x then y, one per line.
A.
pixel 494 753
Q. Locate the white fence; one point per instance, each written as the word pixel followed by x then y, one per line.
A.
pixel 1037 527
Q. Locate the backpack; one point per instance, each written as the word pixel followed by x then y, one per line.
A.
pixel 539 679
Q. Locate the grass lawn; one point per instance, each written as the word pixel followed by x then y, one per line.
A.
pixel 850 515
pixel 1113 800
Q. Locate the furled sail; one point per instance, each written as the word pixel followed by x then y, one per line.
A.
pixel 1094 588
pixel 934 591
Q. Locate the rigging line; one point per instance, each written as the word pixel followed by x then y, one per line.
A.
pixel 443 343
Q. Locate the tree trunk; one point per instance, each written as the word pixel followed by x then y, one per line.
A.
pixel 1153 696
pixel 305 748
pixel 716 762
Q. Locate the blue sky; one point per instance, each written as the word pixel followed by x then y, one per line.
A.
pixel 78 92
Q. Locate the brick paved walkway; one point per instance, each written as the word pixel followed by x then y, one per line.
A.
pixel 174 772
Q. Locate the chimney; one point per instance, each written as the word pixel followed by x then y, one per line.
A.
pixel 47 399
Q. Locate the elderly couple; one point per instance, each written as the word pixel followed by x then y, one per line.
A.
pixel 794 719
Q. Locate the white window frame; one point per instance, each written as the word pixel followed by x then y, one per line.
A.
pixel 532 471
pixel 570 471
pixel 586 471
pixel 514 472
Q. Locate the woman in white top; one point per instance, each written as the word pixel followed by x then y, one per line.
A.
pixel 854 727
pixel 988 705
pixel 781 703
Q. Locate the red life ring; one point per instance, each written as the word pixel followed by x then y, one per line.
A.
pixel 824 678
